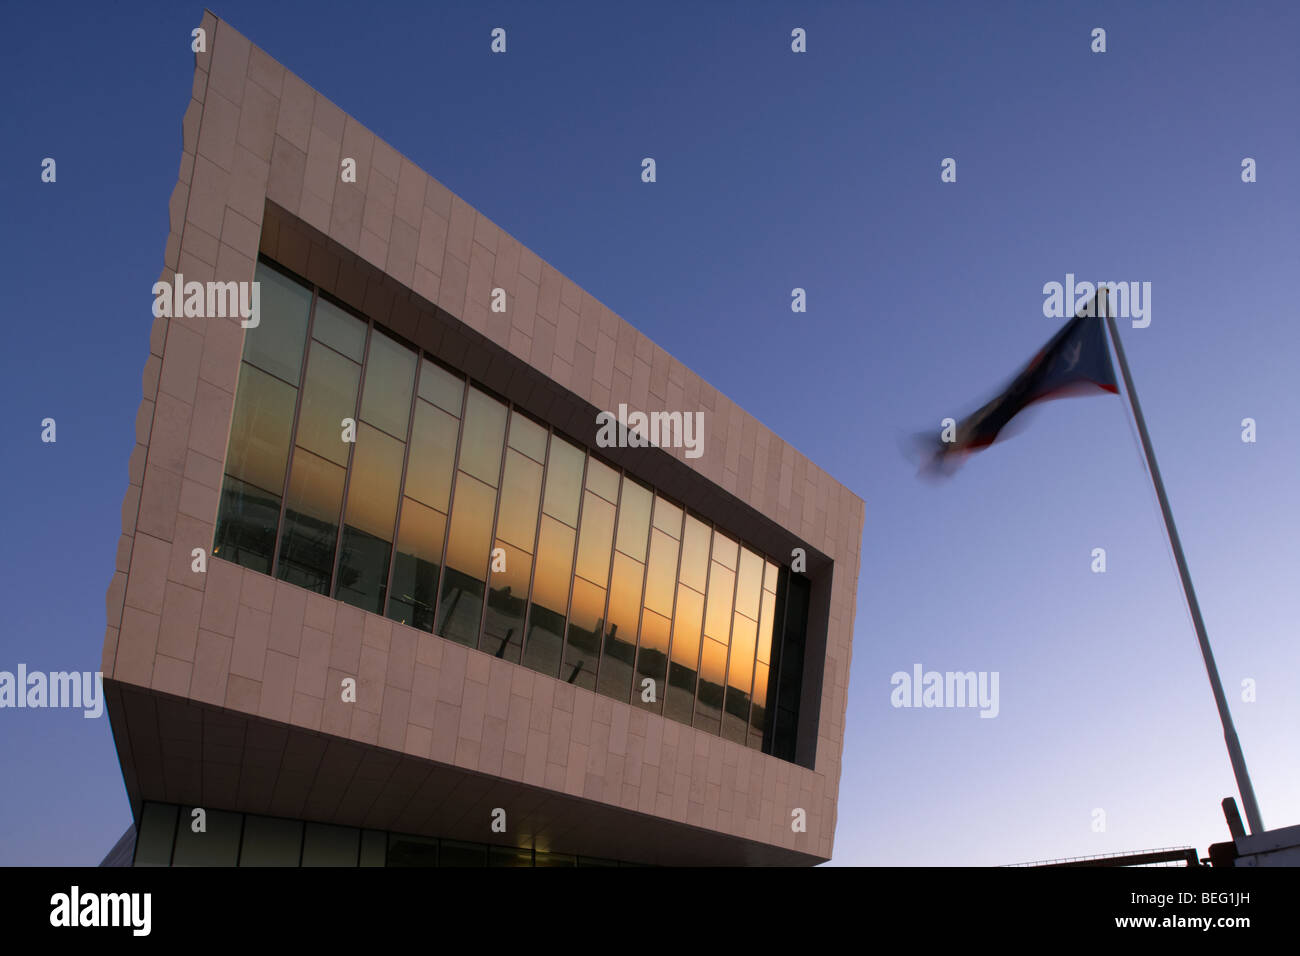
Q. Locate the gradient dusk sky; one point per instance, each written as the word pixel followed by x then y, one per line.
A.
pixel 778 170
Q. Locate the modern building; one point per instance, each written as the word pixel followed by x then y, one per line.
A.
pixel 384 594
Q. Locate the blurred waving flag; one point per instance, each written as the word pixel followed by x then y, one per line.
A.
pixel 1075 362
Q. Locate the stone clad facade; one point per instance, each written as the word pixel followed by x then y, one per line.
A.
pixel 221 685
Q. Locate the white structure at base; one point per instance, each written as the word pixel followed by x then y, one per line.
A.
pixel 1271 848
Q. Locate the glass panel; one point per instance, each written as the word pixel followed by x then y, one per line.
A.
pixel 633 520
pixel 619 648
pixel 708 704
pixel 554 566
pixel 763 653
pixel 783 732
pixel 246 525
pixel 329 396
pixel 550 596
pixel 433 456
pixel 602 479
pixel 740 674
pixel 717 620
pixel 563 482
pixel 724 550
pixel 661 578
pixel 685 657
pixel 485 432
pixel 327 845
pixel 503 628
pixel 545 640
pixel 554 859
pixel 153 845
pixel 750 585
pixel 766 620
pixel 415 568
pixel 468 545
pixel 740 664
pixel 668 517
pixel 373 848
pixel 784 699
pixel 510 856
pixel 441 387
pixel 275 344
pixel 311 522
pixel 790 681
pixel 270 841
pixel 758 713
pixel 455 853
pixel 695 554
pixel 260 429
pixel 407 850
pixel 528 437
pixel 218 846
pixel 596 539
pixel 390 376
pixel 369 520
pixel 520 492
pixel 791 677
pixel 339 330
pixel 769 577
pixel 375 477
pixel 652 660
pixel 586 623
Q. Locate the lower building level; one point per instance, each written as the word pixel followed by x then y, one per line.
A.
pixel 173 835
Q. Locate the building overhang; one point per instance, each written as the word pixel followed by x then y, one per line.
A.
pixel 180 751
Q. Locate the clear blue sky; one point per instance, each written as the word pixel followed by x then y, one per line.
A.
pixel 777 170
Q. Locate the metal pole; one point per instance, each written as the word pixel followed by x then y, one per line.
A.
pixel 1225 717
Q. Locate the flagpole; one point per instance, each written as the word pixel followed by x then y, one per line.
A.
pixel 1225 717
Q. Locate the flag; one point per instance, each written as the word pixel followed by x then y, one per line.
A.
pixel 1075 362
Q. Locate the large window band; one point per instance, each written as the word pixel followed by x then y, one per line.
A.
pixel 361 469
